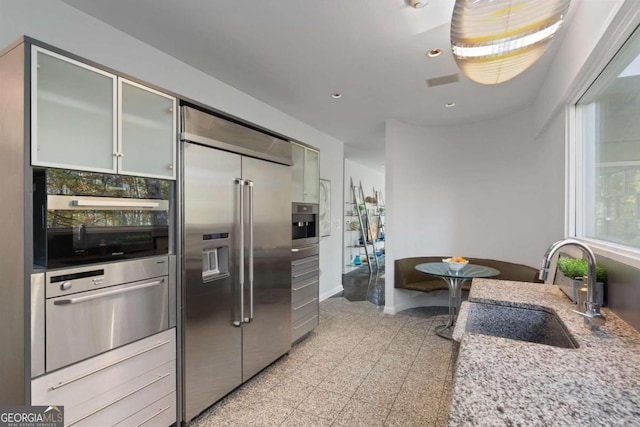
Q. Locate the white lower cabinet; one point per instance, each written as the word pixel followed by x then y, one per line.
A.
pixel 132 385
pixel 160 413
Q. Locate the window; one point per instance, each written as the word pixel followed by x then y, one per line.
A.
pixel 607 130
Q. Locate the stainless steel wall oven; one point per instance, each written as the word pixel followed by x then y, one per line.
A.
pixel 86 217
pixel 80 312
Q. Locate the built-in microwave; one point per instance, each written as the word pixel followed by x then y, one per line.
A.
pixel 86 217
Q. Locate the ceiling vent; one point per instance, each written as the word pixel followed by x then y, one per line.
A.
pixel 444 80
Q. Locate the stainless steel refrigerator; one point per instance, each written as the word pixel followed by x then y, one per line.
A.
pixel 236 265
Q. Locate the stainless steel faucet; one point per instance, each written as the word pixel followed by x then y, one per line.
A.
pixel 593 319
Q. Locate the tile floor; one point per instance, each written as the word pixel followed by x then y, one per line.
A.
pixel 360 367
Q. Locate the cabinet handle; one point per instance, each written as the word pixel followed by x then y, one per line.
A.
pixel 171 109
pixel 306 261
pixel 170 166
pixel 295 276
pixel 306 285
pixel 305 304
pixel 302 324
pixel 158 378
pixel 86 374
pixel 302 249
pixel 150 417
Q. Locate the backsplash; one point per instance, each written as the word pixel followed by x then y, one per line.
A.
pixel 623 290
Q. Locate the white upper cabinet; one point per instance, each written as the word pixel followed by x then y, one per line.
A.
pixel 73 114
pixel 297 172
pixel 87 119
pixel 147 131
pixel 311 176
pixel 306 174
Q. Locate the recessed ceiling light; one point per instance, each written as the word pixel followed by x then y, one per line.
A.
pixel 433 53
pixel 336 95
pixel 450 104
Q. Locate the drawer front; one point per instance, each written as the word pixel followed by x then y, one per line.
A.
pixel 127 399
pixel 302 266
pixel 94 385
pixel 104 319
pixel 304 251
pixel 303 326
pixel 160 413
pixel 297 279
pixel 304 310
pixel 304 292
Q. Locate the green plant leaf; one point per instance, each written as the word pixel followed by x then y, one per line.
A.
pixel 575 268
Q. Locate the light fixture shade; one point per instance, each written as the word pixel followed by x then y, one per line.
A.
pixel 495 40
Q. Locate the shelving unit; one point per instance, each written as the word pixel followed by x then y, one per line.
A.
pixel 352 230
pixel 381 213
pixel 362 220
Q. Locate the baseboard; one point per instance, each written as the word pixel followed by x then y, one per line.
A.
pixel 331 293
pixel 389 310
pixel 421 299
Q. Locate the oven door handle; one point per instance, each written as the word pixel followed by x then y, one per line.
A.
pixel 114 204
pixel 80 299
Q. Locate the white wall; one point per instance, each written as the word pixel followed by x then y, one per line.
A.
pixel 62 26
pixel 494 189
pixel 330 257
pixel 488 190
pixel 370 179
pixel 588 22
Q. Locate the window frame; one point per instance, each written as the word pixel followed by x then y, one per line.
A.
pixel 608 47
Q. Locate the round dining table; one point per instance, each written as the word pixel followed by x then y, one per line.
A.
pixel 454 280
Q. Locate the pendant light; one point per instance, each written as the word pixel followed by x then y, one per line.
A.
pixel 495 40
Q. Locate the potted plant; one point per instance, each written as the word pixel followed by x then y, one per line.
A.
pixel 573 270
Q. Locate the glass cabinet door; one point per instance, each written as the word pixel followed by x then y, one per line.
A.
pixel 73 108
pixel 297 172
pixel 311 176
pixel 147 132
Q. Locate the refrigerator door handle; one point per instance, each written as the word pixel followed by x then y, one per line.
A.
pixel 250 184
pixel 241 183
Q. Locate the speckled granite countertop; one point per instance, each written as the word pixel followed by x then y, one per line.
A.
pixel 499 381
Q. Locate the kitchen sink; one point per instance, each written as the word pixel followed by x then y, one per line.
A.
pixel 517 323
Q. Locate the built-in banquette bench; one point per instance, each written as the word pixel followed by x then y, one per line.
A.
pixel 407 277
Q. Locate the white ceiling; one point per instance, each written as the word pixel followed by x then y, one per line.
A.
pixel 294 54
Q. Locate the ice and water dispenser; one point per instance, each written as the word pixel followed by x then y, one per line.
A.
pixel 215 261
